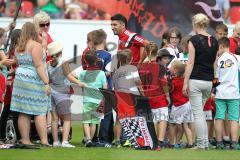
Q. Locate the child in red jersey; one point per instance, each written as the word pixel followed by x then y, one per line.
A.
pixel 89 47
pixel 153 74
pixel 155 83
pixel 2 87
pixel 2 93
pixel 181 112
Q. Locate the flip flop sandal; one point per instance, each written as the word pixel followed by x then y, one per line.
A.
pixel 45 145
pixel 26 146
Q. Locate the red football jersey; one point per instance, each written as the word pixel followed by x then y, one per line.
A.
pixel 233 45
pixel 2 87
pixel 134 45
pixel 210 105
pixel 177 96
pixel 153 85
pixel 84 63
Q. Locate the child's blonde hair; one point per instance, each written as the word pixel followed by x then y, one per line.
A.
pixel 179 67
pixel 124 57
pixel 152 50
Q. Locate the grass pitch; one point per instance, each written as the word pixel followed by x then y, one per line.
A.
pixel 82 153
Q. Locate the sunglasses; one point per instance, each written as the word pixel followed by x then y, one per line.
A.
pixel 56 55
pixel 43 25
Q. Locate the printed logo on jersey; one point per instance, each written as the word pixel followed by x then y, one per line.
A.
pixel 226 64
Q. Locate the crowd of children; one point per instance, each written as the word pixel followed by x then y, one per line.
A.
pixel 160 78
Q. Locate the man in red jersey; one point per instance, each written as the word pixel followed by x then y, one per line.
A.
pixel 128 39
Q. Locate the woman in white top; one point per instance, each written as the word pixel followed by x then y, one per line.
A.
pixel 173 38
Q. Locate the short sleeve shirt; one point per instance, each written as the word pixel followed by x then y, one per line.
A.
pixel 176 95
pixel 233 45
pixel 135 45
pixel 153 85
pixel 228 77
pixel 2 87
pixel 205 54
pixel 94 79
pixel 125 78
pixel 104 58
pixel 84 63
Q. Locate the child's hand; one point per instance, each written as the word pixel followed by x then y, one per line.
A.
pixel 215 82
pixel 8 62
pixel 81 84
pixel 47 90
pixel 185 90
pixel 212 95
pixel 42 37
pixel 12 25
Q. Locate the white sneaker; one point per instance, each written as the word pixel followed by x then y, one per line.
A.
pixel 57 144
pixel 67 144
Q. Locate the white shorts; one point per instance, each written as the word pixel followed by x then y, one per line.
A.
pixel 160 114
pixel 208 115
pixel 181 114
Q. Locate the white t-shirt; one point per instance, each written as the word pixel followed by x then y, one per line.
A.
pixel 228 67
pixel 125 78
pixel 173 51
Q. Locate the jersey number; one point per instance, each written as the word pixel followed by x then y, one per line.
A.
pixel 221 64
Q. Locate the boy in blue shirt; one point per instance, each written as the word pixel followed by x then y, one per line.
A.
pixel 95 79
pixel 99 38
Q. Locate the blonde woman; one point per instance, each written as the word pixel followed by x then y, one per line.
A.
pixel 42 22
pixel 31 90
pixel 199 74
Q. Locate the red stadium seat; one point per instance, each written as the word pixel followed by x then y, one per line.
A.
pixel 27 9
pixel 235 14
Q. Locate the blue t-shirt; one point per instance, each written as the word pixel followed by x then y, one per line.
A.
pixel 94 79
pixel 105 58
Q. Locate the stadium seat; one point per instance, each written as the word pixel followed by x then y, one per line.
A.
pixel 235 14
pixel 27 9
pixel 234 0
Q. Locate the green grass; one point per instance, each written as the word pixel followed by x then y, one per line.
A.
pixel 83 153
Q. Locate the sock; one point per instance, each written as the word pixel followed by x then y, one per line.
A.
pixel 226 138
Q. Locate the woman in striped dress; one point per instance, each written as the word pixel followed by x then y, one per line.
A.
pixel 31 90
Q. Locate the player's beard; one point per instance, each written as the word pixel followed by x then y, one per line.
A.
pixel 115 32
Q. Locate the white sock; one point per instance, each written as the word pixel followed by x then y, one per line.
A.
pixel 226 138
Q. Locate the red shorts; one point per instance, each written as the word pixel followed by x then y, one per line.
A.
pixel 2 87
